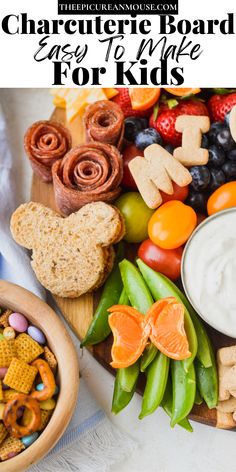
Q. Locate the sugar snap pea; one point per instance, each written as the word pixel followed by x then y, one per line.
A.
pixel 198 398
pixel 124 299
pixel 99 328
pixel 184 390
pixel 141 299
pixel 121 398
pixel 207 381
pixel 161 288
pixel 157 375
pixel 167 404
pixel 148 356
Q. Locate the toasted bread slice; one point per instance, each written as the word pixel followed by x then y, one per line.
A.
pixel 73 255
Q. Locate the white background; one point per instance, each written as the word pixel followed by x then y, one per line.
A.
pixel 159 448
pixel 215 67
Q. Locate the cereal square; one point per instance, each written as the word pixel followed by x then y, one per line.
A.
pixel 10 445
pixel 45 417
pixel 9 394
pixel 4 318
pixel 20 376
pixel 3 432
pixel 50 358
pixel 27 349
pixel 7 352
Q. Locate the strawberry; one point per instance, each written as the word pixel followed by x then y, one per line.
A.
pixel 165 121
pixel 220 105
pixel 123 99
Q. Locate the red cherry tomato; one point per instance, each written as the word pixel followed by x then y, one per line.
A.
pixel 166 261
pixel 129 153
pixel 180 193
pixel 172 224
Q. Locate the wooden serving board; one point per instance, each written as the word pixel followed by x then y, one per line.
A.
pixel 79 312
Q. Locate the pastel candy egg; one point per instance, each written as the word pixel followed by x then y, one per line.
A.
pixel 1 336
pixel 48 404
pixel 36 334
pixel 40 387
pixel 28 440
pixel 9 333
pixel 18 322
pixel 3 371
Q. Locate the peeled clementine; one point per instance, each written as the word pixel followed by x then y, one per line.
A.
pixel 143 98
pixel 166 319
pixel 182 92
pixel 130 334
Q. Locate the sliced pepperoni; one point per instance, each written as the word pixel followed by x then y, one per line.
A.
pixel 46 142
pixel 104 122
pixel 88 173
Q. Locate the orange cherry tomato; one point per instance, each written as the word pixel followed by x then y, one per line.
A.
pixel 172 224
pixel 224 197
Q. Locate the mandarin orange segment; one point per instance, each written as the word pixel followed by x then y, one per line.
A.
pixel 166 319
pixel 143 98
pixel 130 333
pixel 182 92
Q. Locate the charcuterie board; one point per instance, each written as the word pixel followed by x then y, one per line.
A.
pixel 78 312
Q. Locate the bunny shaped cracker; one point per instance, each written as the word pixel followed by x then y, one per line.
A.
pixel 73 255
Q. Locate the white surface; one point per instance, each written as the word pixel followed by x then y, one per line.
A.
pixel 160 448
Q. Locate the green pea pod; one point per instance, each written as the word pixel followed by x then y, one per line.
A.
pixel 207 381
pixel 124 299
pixel 148 356
pixel 161 287
pixel 157 375
pixel 120 398
pixel 170 289
pixel 128 376
pixel 141 299
pixel 99 328
pixel 135 287
pixel 184 390
pixel 167 403
pixel 198 398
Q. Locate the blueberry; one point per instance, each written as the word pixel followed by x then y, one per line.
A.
pixel 231 155
pixel 197 200
pixel 226 118
pixel 224 139
pixel 201 177
pixel 216 156
pixel 205 142
pixel 147 137
pixel 229 168
pixel 217 179
pixel 144 122
pixel 132 127
pixel 169 148
pixel 214 129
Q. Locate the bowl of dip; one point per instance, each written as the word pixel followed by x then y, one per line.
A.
pixel 208 271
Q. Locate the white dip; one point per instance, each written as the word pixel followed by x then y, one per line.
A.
pixel 209 271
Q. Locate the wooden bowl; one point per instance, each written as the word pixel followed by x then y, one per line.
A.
pixel 40 314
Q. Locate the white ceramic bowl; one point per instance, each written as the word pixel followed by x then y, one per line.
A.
pixel 215 323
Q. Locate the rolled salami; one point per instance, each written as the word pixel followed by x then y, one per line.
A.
pixel 104 122
pixel 88 173
pixel 46 142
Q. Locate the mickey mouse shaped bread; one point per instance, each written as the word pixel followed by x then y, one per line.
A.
pixel 73 255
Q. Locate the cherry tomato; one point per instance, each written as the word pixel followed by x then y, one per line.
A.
pixel 172 224
pixel 180 193
pixel 166 261
pixel 136 215
pixel 224 197
pixel 129 153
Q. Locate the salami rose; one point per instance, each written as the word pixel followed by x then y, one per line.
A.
pixel 104 122
pixel 46 142
pixel 88 173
